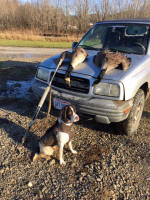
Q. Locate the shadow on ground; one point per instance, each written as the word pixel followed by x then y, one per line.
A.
pixel 17 132
pixel 146 114
pixel 17 70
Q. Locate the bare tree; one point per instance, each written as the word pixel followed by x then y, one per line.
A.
pixel 61 16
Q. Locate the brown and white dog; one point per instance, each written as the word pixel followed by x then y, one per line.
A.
pixel 58 135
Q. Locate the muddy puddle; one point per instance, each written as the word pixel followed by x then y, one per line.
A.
pixel 16 78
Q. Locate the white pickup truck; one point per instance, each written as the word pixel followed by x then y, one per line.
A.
pixel 120 96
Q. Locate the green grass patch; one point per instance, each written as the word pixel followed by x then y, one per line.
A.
pixel 41 44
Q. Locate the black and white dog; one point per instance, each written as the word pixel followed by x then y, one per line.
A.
pixel 58 135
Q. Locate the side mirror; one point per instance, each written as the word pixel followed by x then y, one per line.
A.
pixel 74 44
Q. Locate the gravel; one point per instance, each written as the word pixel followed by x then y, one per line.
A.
pixel 109 165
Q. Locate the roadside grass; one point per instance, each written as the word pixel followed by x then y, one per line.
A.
pixel 35 43
pixel 34 38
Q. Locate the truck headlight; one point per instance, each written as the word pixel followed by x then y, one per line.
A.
pixel 107 89
pixel 42 74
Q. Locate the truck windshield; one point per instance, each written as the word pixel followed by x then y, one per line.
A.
pixel 127 38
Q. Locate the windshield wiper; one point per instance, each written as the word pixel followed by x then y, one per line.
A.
pixel 88 47
pixel 115 50
pixel 112 49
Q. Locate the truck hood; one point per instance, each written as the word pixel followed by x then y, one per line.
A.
pixel 90 69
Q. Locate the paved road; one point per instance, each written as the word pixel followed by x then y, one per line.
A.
pixel 27 52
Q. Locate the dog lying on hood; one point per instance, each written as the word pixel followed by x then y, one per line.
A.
pixel 58 135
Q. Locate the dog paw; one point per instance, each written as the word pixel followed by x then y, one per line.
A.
pixel 74 152
pixel 62 162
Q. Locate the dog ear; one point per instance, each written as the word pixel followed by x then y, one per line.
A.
pixel 63 114
pixel 73 107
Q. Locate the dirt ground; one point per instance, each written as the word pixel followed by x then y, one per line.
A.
pixel 109 165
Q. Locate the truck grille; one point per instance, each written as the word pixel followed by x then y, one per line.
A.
pixel 77 84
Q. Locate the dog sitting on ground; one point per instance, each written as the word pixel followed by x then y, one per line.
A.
pixel 58 135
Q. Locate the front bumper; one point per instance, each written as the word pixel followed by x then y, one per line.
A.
pixel 103 110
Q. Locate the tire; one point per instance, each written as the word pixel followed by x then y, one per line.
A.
pixel 131 124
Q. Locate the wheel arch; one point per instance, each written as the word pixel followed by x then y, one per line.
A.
pixel 146 88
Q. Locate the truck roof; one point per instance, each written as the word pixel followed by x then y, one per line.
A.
pixel 135 20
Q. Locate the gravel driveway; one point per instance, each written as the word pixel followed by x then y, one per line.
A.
pixel 109 165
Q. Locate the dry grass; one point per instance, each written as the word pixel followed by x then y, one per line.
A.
pixel 36 36
pixel 20 35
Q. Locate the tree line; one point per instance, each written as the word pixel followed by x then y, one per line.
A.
pixel 67 16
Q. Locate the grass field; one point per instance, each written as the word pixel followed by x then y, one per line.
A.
pixel 28 43
pixel 28 38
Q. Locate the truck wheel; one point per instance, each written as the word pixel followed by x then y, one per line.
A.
pixel 130 125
